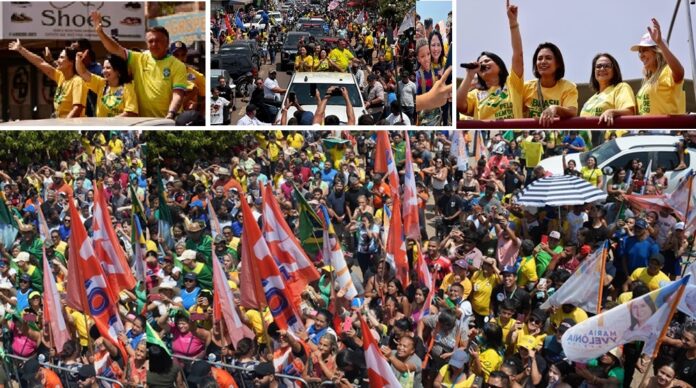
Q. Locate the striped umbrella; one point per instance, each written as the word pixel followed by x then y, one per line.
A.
pixel 560 190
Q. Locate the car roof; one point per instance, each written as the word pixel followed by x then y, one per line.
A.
pixel 298 33
pixel 91 121
pixel 633 142
pixel 322 77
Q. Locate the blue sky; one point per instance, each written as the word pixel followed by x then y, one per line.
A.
pixel 437 10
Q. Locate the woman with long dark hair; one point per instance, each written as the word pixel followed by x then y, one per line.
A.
pixel 499 93
pixel 115 91
pixel 70 98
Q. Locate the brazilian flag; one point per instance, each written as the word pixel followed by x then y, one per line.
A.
pixel 311 231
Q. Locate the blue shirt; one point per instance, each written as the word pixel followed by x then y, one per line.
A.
pixel 189 297
pixel 577 142
pixel 22 299
pixel 636 253
pixel 134 339
pixel 328 176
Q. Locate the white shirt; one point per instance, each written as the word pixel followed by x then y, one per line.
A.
pixel 402 118
pixel 268 86
pixel 246 120
pixel 217 109
pixel 575 223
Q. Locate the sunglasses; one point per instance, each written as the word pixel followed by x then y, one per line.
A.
pixel 534 321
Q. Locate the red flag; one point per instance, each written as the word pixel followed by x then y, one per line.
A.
pixel 396 244
pixel 294 264
pixel 385 163
pixel 88 284
pixel 425 278
pixel 229 27
pixel 107 247
pixel 410 211
pixel 224 307
pixel 270 289
pixel 53 315
pixel 379 371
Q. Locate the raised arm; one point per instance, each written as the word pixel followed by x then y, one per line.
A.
pixel 80 66
pixel 34 59
pixel 672 61
pixel 349 107
pixel 516 40
pixel 109 43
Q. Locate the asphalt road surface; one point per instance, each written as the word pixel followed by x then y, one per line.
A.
pixel 241 103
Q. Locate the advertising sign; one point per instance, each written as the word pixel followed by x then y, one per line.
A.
pixel 70 20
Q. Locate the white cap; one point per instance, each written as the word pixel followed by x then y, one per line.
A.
pixel 223 171
pixel 679 226
pixel 22 256
pixel 645 41
pixel 188 254
pixel 555 234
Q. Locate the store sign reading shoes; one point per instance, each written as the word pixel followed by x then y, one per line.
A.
pixel 70 20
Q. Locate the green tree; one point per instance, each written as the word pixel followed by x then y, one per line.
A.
pixel 34 146
pixel 189 146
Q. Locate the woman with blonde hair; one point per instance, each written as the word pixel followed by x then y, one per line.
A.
pixel 662 92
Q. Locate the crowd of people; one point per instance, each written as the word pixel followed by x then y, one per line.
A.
pixel 480 323
pixel 489 91
pixel 379 52
pixel 157 82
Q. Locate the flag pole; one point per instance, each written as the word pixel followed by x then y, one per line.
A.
pixel 686 221
pixel 663 332
pixel 601 277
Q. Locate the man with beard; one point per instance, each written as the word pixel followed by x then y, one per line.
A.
pixel 336 202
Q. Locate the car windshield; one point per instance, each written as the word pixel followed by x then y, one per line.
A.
pixel 292 40
pixel 601 153
pixel 235 48
pixel 302 91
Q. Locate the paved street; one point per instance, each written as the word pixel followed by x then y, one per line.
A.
pixel 283 80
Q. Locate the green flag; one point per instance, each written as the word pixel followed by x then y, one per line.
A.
pixel 8 225
pixel 310 231
pixel 163 214
pixel 151 337
pixel 335 148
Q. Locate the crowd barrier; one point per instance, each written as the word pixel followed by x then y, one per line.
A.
pixel 211 361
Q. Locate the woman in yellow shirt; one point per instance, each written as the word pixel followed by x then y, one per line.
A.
pixel 613 97
pixel 549 95
pixel 322 63
pixel 71 94
pixel 662 92
pixel 592 173
pixel 115 93
pixel 498 94
pixel 303 61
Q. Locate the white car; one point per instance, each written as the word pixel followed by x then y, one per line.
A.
pixel 620 152
pixel 301 86
pixel 256 21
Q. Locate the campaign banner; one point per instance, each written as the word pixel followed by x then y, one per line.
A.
pixel 187 27
pixel 641 319
pixel 68 20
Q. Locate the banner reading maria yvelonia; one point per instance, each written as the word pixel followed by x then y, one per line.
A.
pixel 641 319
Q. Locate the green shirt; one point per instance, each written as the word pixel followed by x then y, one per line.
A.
pixel 35 248
pixel 400 153
pixel 204 247
pixel 36 277
pixel 543 258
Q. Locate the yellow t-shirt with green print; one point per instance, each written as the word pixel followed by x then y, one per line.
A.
pixel 112 102
pixel 564 94
pixel 497 103
pixel 69 92
pixel 619 96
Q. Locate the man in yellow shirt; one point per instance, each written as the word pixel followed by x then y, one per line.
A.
pixel 461 271
pixel 651 275
pixel 160 80
pixel 369 47
pixel 340 57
